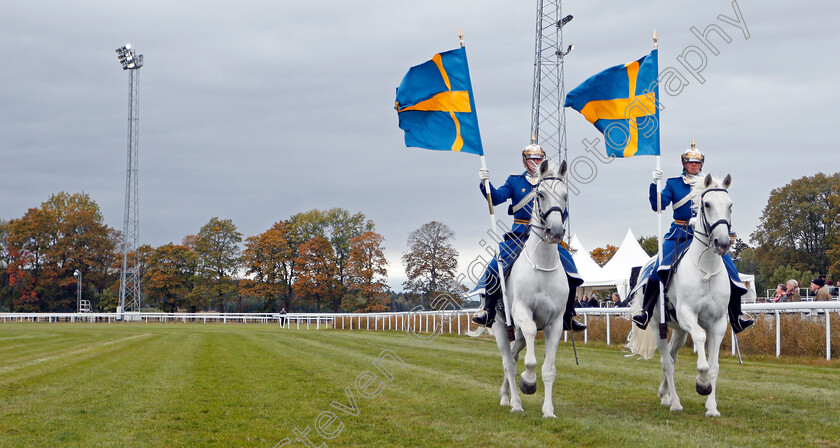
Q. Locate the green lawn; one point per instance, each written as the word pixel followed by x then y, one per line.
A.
pixel 194 385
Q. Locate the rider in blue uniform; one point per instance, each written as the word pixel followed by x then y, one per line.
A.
pixel 677 193
pixel 518 188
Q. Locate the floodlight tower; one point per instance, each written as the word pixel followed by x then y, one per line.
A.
pixel 548 116
pixel 130 274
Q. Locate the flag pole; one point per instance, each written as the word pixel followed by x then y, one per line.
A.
pixel 663 329
pixel 493 225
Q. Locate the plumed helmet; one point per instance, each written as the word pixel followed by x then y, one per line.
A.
pixel 693 155
pixel 533 151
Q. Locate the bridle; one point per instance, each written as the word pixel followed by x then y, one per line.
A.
pixel 704 222
pixel 543 214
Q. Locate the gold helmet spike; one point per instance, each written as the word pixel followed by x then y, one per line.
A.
pixel 533 152
pixel 692 154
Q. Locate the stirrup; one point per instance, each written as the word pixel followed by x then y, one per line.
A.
pixel 740 323
pixel 642 319
pixel 481 318
pixel 573 325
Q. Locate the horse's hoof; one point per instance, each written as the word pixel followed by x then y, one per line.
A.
pixel 676 407
pixel 527 389
pixel 504 402
pixel 704 390
pixel 549 416
pixel 517 409
pixel 714 413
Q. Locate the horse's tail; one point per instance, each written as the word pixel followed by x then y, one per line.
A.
pixel 641 343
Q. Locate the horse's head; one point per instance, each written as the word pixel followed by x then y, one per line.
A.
pixel 550 203
pixel 713 212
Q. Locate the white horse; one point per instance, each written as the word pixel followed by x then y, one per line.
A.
pixel 699 292
pixel 537 290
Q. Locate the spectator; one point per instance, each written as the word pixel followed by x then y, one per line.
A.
pixel 578 303
pixel 793 291
pixel 820 293
pixel 781 293
pixel 593 303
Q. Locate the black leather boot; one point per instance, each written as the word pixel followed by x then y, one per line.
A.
pixel 486 316
pixel 737 319
pixel 570 324
pixel 741 323
pixel 642 318
pixel 573 325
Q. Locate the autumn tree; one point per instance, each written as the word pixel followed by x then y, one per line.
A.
pixel 48 244
pixel 5 259
pixel 218 252
pixel 650 244
pixel 270 258
pixel 367 271
pixel 170 278
pixel 798 223
pixel 431 261
pixel 317 280
pixel 602 255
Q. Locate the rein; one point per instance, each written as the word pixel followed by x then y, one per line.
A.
pixel 707 232
pixel 543 216
pixel 708 229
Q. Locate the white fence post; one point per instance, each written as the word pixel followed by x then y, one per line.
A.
pixel 778 334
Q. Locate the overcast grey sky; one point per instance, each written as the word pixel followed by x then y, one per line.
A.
pixel 258 110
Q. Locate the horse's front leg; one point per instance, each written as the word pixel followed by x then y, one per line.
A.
pixel 507 394
pixel 528 383
pixel 688 320
pixel 716 335
pixel 549 370
pixel 667 390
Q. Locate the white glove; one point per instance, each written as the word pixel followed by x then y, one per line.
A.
pixel 656 175
pixel 483 174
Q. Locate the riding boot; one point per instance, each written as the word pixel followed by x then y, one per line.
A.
pixel 570 324
pixel 642 318
pixel 486 316
pixel 738 320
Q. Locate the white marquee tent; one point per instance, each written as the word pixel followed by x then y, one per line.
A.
pixel 616 273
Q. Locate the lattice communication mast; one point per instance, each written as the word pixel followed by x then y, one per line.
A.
pixel 130 274
pixel 548 116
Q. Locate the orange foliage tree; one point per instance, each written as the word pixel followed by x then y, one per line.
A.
pixel 48 244
pixel 317 280
pixel 602 255
pixel 170 277
pixel 366 269
pixel 270 258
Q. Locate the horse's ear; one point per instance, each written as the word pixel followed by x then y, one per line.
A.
pixel 727 181
pixel 563 168
pixel 543 167
pixel 707 181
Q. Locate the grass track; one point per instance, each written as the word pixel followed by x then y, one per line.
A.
pixel 193 385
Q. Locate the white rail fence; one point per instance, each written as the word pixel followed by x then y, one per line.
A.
pixel 417 322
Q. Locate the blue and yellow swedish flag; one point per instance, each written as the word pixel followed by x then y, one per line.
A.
pixel 436 107
pixel 622 102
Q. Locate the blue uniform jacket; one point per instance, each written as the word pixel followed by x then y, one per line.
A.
pixel 515 188
pixel 674 190
pixel 680 234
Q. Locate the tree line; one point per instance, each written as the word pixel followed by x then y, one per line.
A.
pixel 320 260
